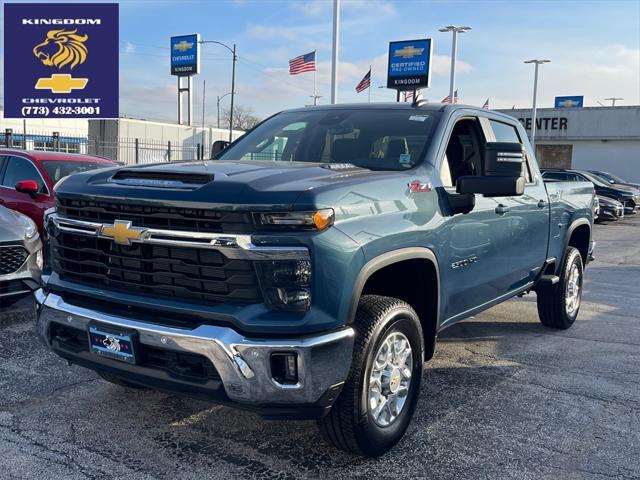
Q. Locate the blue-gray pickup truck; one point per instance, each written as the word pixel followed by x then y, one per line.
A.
pixel 307 270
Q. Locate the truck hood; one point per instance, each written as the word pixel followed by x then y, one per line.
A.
pixel 223 184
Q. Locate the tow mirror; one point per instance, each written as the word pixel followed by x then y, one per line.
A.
pixel 30 187
pixel 502 172
pixel 217 147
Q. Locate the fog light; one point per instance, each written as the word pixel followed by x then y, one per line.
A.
pixel 286 284
pixel 284 367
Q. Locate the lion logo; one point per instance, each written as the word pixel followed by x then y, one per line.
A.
pixel 61 48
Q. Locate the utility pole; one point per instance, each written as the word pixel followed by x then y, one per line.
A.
pixel 454 52
pixel 334 56
pixel 613 100
pixel 233 80
pixel 537 63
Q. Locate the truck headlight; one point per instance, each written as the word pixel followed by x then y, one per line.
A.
pixel 307 220
pixel 286 284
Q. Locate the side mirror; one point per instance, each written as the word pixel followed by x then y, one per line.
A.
pixel 502 172
pixel 491 186
pixel 503 159
pixel 217 147
pixel 30 187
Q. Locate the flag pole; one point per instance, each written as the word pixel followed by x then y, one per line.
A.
pixel 315 98
pixel 369 89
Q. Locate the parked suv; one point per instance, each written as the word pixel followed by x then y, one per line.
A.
pixel 20 256
pixel 27 178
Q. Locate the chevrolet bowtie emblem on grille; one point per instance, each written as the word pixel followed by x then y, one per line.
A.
pixel 61 83
pixel 122 232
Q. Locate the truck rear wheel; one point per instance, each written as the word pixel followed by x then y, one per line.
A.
pixel 558 305
pixel 380 394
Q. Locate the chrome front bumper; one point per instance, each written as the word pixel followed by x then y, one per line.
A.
pixel 243 364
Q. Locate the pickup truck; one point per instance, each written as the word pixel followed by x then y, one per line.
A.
pixel 308 269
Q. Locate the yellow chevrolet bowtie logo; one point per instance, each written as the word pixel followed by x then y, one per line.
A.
pixel 61 83
pixel 122 232
pixel 408 51
pixel 183 46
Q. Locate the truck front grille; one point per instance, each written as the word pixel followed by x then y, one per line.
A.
pixel 166 218
pixel 192 274
pixel 12 258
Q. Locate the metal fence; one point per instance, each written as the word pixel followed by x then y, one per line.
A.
pixel 130 151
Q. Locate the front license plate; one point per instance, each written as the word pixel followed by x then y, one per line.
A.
pixel 114 343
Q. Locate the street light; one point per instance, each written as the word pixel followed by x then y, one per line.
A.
pixel 233 81
pixel 536 62
pixel 218 102
pixel 454 51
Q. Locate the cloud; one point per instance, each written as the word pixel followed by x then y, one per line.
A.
pixel 129 47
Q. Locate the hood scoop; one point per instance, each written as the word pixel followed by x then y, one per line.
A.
pixel 156 179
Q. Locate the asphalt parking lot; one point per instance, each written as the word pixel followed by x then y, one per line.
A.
pixel 503 398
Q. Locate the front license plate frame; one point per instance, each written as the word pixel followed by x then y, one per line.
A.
pixel 113 342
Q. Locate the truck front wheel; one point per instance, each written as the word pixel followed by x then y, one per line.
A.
pixel 379 396
pixel 558 304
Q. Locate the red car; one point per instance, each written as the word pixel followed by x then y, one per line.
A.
pixel 27 178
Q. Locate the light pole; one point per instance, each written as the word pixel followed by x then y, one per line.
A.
pixel 334 55
pixel 233 81
pixel 613 100
pixel 537 63
pixel 454 51
pixel 218 102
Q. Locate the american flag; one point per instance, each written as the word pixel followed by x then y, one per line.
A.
pixel 303 63
pixel 364 83
pixel 486 104
pixel 447 99
pixel 408 95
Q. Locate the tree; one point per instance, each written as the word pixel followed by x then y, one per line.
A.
pixel 243 118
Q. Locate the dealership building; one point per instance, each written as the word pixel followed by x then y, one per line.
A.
pixel 602 138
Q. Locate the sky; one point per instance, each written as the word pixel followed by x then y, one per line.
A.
pixel 594 48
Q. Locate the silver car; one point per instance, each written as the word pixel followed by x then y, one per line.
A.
pixel 20 256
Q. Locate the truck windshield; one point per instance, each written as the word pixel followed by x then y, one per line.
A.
pixel 377 139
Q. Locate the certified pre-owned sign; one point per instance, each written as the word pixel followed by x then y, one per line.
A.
pixel 61 60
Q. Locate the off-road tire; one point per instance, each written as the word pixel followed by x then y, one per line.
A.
pixel 552 308
pixel 118 381
pixel 349 425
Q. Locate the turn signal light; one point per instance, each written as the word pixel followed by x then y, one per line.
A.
pixel 313 220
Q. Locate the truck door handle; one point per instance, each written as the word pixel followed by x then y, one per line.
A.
pixel 502 209
pixel 543 204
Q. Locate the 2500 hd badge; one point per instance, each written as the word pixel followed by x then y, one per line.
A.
pixel 297 274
